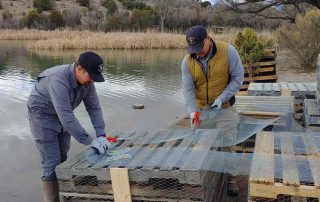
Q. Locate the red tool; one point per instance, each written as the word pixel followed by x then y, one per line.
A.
pixel 112 139
pixel 196 121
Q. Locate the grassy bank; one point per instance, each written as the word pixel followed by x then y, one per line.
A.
pixel 65 40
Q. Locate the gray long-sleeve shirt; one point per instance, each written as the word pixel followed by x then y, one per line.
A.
pixel 236 73
pixel 55 96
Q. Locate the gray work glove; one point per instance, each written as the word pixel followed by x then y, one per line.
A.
pixel 101 145
pixel 217 104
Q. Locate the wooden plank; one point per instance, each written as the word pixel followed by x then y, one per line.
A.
pixel 120 184
pixel 261 78
pixel 262 170
pixel 314 163
pixel 285 92
pixel 244 86
pixel 262 70
pixel 263 65
pixel 271 191
pixel 262 113
pixel 289 165
pixel 265 142
pixel 242 93
pixel 310 145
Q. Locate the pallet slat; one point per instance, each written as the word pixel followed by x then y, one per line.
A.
pixel 264 170
pixel 290 176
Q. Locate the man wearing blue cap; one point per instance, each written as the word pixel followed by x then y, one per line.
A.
pixel 57 92
pixel 212 73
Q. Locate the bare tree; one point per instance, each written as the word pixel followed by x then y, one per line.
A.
pixel 166 7
pixel 93 19
pixel 282 9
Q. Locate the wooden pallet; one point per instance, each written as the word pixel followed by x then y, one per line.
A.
pixel 298 90
pixel 261 78
pixel 311 113
pixel 285 163
pixel 155 170
pixel 265 71
pixel 265 107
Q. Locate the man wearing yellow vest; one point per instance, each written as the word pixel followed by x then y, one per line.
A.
pixel 212 73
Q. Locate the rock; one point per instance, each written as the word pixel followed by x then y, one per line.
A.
pixel 137 106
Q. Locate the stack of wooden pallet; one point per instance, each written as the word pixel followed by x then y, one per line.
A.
pixel 300 91
pixel 285 167
pixel 265 107
pixel 265 71
pixel 173 179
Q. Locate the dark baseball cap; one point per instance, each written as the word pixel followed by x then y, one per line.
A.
pixel 195 37
pixel 93 64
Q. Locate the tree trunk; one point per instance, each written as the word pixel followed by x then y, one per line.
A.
pixel 162 23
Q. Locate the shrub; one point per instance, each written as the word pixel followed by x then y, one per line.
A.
pixel 32 20
pixel 71 18
pixel 6 15
pixel 111 6
pixel 45 5
pixel 132 4
pixel 303 39
pixel 56 20
pixel 142 19
pixel 250 49
pixel 84 3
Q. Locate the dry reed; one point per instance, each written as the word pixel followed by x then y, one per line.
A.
pixel 65 39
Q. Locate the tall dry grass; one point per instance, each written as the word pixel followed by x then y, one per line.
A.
pixel 65 39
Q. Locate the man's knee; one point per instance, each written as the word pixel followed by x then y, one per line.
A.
pixel 50 158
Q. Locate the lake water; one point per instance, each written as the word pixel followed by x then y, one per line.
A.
pixel 148 77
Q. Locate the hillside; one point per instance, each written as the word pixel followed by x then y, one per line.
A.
pixel 20 7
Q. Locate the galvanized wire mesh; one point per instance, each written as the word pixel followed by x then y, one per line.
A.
pixel 177 165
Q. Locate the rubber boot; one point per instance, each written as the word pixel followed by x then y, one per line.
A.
pixel 51 191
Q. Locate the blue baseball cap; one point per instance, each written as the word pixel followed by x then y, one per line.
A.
pixel 93 64
pixel 195 37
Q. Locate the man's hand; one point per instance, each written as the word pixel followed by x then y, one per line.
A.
pixel 100 145
pixel 194 118
pixel 217 104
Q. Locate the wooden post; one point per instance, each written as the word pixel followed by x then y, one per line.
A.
pixel 285 92
pixel 120 184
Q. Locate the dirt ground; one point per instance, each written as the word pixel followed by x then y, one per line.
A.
pixel 288 70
